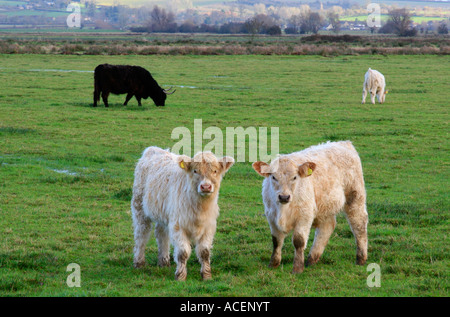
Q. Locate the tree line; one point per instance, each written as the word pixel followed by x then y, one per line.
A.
pixel 162 20
pixel 308 21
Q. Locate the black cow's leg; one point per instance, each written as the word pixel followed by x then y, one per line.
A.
pixel 96 97
pixel 139 101
pixel 129 96
pixel 105 98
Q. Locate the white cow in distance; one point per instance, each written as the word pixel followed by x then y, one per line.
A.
pixel 374 83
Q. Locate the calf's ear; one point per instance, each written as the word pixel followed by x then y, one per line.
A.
pixel 261 168
pixel 184 162
pixel 306 169
pixel 226 162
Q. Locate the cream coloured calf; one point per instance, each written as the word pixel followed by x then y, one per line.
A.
pixel 179 195
pixel 375 84
pixel 308 189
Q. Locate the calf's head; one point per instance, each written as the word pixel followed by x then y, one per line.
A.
pixel 205 171
pixel 284 177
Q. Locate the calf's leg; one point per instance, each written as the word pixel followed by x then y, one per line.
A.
pixel 203 251
pixel 182 252
pixel 162 238
pixel 321 237
pixel 300 239
pixel 372 96
pixel 142 229
pixel 277 241
pixel 357 217
pixel 364 95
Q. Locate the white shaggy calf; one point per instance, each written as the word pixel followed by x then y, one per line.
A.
pixel 179 195
pixel 307 189
pixel 374 83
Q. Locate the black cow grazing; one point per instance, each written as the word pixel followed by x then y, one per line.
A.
pixel 124 79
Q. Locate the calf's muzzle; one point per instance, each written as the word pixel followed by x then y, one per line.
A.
pixel 284 199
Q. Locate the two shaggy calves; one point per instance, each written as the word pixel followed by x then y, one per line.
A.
pixel 301 190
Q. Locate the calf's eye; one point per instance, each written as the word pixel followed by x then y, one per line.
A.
pixel 273 177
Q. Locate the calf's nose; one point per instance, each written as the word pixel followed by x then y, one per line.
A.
pixel 205 187
pixel 284 198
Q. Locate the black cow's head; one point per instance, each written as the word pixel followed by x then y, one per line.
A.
pixel 159 96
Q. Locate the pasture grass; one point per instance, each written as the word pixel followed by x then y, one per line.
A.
pixel 66 172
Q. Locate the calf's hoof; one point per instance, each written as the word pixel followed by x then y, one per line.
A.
pixel 138 265
pixel 361 260
pixel 206 276
pixel 312 260
pixel 297 270
pixel 163 262
pixel 274 264
pixel 181 276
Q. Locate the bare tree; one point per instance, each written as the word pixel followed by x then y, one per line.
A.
pixel 295 22
pixel 313 22
pixel 306 22
pixel 258 24
pixel 400 21
pixel 160 19
pixel 333 18
pixel 442 29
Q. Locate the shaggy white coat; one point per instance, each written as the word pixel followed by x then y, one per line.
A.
pixel 375 84
pixel 179 195
pixel 307 189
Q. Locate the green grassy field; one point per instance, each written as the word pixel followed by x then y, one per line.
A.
pixel 66 172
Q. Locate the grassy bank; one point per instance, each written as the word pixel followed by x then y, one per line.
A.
pixel 91 43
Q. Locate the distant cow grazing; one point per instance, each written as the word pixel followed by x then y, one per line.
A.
pixel 375 84
pixel 124 79
pixel 308 189
pixel 179 195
